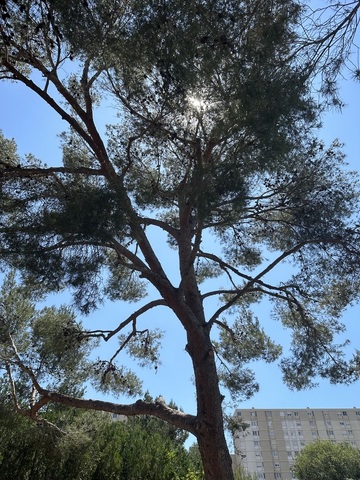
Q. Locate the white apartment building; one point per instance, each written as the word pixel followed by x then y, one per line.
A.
pixel 274 437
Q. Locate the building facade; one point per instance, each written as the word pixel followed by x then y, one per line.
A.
pixel 273 438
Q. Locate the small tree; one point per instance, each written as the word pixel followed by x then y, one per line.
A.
pixel 324 460
pixel 214 146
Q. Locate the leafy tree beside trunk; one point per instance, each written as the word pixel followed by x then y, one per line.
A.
pixel 326 460
pixel 214 145
pixel 85 446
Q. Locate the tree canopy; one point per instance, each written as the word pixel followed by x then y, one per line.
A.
pixel 88 446
pixel 324 460
pixel 216 148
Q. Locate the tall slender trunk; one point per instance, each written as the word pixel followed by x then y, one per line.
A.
pixel 210 434
pixel 210 425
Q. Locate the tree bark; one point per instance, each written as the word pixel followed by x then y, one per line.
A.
pixel 210 435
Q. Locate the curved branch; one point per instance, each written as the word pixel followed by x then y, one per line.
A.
pixel 163 225
pixel 250 280
pixel 133 317
pixel 140 407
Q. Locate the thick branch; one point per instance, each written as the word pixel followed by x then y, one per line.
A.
pixel 163 225
pixel 140 407
pixel 11 171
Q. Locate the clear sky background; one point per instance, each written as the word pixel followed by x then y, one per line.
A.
pixel 35 127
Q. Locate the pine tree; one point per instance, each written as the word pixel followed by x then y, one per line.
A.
pixel 214 144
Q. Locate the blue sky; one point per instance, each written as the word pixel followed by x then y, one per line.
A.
pixel 35 127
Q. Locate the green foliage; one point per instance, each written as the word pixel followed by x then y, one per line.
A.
pixel 71 212
pixel 246 340
pixel 90 447
pixel 144 347
pixel 235 424
pixel 48 342
pixel 240 474
pixel 31 450
pixel 324 460
pixel 8 153
pixel 51 346
pixel 197 472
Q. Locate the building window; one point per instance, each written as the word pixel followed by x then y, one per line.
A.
pixel 272 433
pixel 342 424
pixel 350 432
pixel 289 414
pixel 256 433
pixel 345 414
pixel 296 414
pixel 277 465
pixel 289 454
pixel 282 414
pixel 253 414
pixel 312 423
pixel 315 433
pixel 330 433
pixel 357 413
pixel 328 423
pixel 268 414
pixel 254 423
pixel 256 444
pixel 275 453
pixel 277 475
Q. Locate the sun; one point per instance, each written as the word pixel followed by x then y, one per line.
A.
pixel 197 103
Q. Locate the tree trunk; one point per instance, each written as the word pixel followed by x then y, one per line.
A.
pixel 210 424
